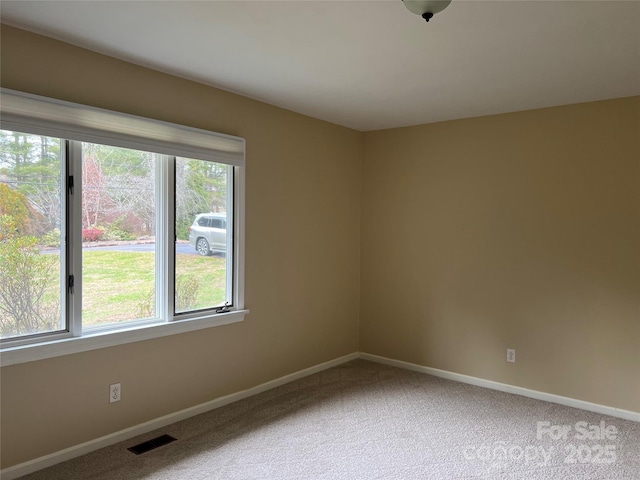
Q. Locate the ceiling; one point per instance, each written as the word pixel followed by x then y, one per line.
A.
pixel 367 65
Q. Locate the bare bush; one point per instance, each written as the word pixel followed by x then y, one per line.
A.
pixel 25 275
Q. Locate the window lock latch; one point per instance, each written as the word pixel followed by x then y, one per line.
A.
pixel 224 309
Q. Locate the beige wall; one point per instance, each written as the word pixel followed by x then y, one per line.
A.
pixel 511 231
pixel 302 255
pixel 518 230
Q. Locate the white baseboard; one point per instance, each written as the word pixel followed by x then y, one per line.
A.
pixel 503 387
pixel 31 466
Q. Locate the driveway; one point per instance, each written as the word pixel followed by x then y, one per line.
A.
pixel 182 248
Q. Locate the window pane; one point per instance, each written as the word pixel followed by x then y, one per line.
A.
pixel 203 246
pixel 30 215
pixel 118 235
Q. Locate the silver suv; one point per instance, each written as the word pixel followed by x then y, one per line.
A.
pixel 209 233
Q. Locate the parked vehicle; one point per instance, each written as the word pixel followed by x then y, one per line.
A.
pixel 208 233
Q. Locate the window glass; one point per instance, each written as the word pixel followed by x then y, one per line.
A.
pixel 30 235
pixel 203 254
pixel 118 235
pixel 216 223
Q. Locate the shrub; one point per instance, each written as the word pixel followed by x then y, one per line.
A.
pixel 51 238
pixel 92 234
pixel 25 275
pixel 115 233
pixel 182 230
pixel 145 305
pixel 187 287
pixel 15 205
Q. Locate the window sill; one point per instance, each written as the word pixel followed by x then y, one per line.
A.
pixel 67 346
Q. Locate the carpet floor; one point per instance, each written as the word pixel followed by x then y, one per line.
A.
pixel 362 420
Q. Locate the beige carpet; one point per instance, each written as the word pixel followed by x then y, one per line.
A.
pixel 367 421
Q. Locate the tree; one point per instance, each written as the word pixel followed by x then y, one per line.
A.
pixel 191 197
pixel 94 195
pixel 118 185
pixel 25 275
pixel 121 187
pixel 200 187
pixel 30 164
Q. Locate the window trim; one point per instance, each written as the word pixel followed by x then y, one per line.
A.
pixel 93 341
pixel 74 340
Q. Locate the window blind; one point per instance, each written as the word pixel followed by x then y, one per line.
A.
pixel 24 112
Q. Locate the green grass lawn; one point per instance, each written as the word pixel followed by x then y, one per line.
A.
pixel 118 286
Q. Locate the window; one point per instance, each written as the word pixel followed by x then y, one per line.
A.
pixel 203 186
pixel 113 228
pixel 31 270
pixel 119 228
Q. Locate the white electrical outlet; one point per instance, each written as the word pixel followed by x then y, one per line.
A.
pixel 511 355
pixel 115 391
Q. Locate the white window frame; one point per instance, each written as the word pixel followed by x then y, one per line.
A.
pixel 43 116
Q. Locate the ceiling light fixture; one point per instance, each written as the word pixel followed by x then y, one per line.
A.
pixel 426 8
